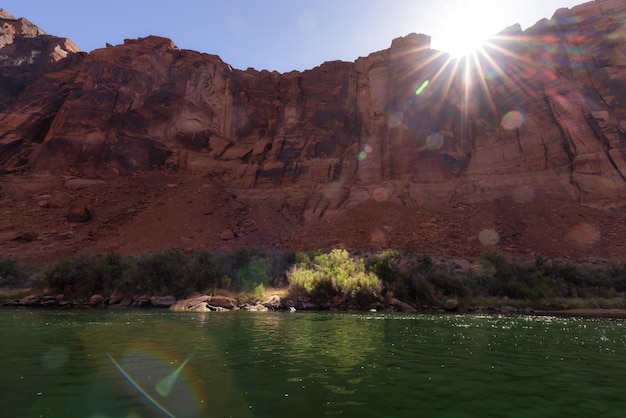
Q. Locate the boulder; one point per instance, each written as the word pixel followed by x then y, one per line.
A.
pixel 9 302
pixel 194 304
pixel 26 236
pixel 273 302
pixel 221 302
pixel 227 234
pixel 141 301
pixel 96 300
pixel 162 301
pixel 186 305
pixel 196 296
pixel 31 300
pixel 204 303
pixel 78 212
pixel 116 297
pixel 306 306
pixel 258 307
pixel 451 305
pixel 401 306
pixel 121 303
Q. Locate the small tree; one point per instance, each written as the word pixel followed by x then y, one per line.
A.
pixel 334 274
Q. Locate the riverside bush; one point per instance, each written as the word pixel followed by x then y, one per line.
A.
pixel 169 272
pixel 77 275
pixel 334 274
pixel 386 266
pixel 396 282
pixel 13 274
pixel 421 280
pixel 164 272
pixel 247 268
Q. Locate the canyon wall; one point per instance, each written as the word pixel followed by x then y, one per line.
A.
pixel 540 112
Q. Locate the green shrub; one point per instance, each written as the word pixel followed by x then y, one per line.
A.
pixel 449 285
pixel 334 274
pixel 72 276
pixel 253 274
pixel 385 265
pixel 8 272
pixel 109 270
pixel 303 278
pixel 421 292
pixel 426 263
pixel 259 291
pixel 160 273
pixel 249 267
pixel 322 277
pixel 84 275
pixel 497 260
pixel 13 274
pixel 202 272
pixel 540 262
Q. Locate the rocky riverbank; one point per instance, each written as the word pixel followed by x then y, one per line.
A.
pixel 197 302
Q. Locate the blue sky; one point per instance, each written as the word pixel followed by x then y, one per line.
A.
pixel 281 35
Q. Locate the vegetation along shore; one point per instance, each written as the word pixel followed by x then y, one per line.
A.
pixel 258 279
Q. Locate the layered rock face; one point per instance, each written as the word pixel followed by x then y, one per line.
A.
pixel 540 113
pixel 31 62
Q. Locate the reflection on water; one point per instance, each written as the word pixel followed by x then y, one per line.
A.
pixel 152 364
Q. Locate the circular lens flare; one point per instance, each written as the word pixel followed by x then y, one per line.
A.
pixel 435 141
pixel 489 237
pixel 512 120
pixel 584 235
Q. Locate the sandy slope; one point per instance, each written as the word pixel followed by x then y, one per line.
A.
pixel 156 210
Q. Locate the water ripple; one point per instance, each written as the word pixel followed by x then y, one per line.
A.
pixel 312 365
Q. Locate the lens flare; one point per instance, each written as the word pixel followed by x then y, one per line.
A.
pixel 139 388
pixel 584 235
pixel 523 194
pixel 435 141
pixel 489 237
pixel 380 194
pixel 422 87
pixel 512 120
pixel 395 120
pixel 363 154
pixel 378 237
pixel 164 387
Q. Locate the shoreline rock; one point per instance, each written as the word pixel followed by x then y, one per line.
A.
pixel 197 302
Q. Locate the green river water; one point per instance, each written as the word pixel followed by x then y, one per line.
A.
pixel 133 364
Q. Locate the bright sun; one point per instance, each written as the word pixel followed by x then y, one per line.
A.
pixel 466 27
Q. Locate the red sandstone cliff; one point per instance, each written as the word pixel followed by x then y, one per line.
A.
pixel 537 124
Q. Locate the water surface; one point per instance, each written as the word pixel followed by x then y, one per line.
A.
pixel 135 364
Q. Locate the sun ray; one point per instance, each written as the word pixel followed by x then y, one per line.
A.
pixel 492 78
pixel 483 83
